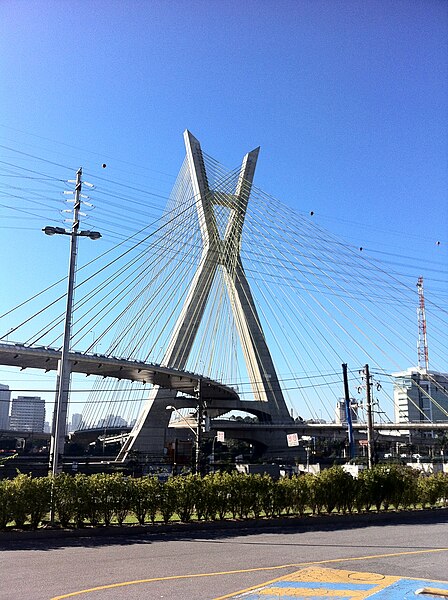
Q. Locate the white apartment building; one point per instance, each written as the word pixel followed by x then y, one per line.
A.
pixel 420 396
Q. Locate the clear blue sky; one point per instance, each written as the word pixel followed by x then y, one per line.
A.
pixel 347 99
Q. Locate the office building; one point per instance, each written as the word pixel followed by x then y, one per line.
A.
pixel 111 421
pixel 75 422
pixel 341 415
pixel 27 414
pixel 5 399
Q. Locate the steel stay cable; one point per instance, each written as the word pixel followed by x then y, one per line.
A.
pixel 138 274
pixel 128 290
pixel 181 234
pixel 164 218
pixel 327 233
pixel 334 304
pixel 280 324
pixel 169 265
pixel 91 276
pixel 292 348
pixel 155 294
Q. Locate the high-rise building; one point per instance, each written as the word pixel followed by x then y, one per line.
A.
pixel 420 396
pixel 341 415
pixel 5 399
pixel 27 414
pixel 76 421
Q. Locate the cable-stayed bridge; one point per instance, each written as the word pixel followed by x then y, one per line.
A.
pixel 234 293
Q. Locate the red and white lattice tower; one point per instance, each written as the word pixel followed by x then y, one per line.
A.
pixel 422 345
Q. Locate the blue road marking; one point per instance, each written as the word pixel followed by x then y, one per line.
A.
pixel 352 587
pixel 404 589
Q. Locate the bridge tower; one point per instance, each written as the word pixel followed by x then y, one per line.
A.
pixel 149 434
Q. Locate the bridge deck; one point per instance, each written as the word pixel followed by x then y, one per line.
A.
pixel 19 355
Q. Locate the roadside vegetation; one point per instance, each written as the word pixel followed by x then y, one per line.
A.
pixel 103 499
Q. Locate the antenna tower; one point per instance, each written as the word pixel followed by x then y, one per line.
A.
pixel 422 345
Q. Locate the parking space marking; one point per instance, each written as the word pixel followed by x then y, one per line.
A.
pixel 320 584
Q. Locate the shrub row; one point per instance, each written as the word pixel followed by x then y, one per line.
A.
pixel 104 498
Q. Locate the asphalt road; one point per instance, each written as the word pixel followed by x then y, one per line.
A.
pixel 208 565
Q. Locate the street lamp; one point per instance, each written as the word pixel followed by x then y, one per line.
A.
pixel 64 369
pixel 93 235
pixel 197 435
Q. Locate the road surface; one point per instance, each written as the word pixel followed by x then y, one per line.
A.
pixel 209 565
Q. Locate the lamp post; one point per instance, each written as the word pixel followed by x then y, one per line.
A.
pixel 64 368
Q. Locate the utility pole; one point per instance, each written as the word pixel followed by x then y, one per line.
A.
pixel 370 440
pixel 197 461
pixel 64 367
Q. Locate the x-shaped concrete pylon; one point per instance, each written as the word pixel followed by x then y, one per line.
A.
pixel 149 431
pixel 225 251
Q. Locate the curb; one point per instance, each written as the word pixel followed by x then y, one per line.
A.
pixel 309 522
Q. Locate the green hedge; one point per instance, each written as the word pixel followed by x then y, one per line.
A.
pixel 104 499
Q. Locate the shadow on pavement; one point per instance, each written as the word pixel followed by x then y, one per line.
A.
pixel 219 531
